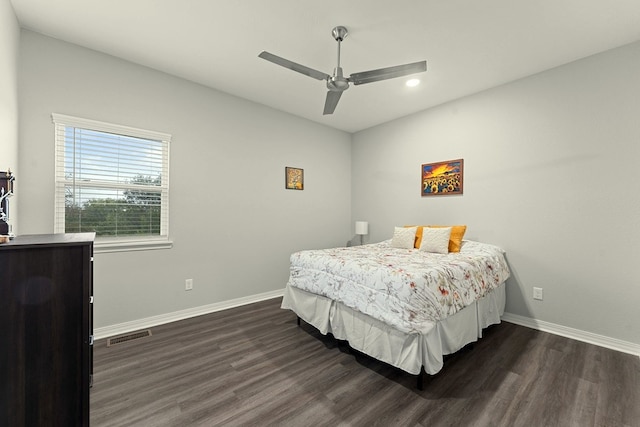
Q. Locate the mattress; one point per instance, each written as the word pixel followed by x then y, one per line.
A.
pixel 407 289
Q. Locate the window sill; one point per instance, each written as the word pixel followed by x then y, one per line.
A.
pixel 106 245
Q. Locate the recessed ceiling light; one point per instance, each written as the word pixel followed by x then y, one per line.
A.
pixel 413 82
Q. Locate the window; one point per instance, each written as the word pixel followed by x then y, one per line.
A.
pixel 112 180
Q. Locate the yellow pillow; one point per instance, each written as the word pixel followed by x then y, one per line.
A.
pixel 416 243
pixel 457 233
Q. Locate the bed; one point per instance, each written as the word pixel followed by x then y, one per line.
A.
pixel 406 304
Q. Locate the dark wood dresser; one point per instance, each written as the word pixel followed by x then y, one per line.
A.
pixel 46 330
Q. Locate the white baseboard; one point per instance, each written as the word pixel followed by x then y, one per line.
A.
pixel 147 322
pixel 576 334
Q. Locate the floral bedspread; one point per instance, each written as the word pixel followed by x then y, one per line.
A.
pixel 404 288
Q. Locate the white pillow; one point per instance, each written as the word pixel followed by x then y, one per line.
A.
pixel 435 240
pixel 404 237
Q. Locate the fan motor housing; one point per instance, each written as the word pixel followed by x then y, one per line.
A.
pixel 337 82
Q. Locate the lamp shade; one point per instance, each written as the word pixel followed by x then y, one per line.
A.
pixel 362 227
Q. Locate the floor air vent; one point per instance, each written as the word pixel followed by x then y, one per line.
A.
pixel 128 337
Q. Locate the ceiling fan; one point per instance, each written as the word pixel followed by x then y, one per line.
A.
pixel 337 83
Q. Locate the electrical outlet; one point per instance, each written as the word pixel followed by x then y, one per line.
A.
pixel 537 293
pixel 188 284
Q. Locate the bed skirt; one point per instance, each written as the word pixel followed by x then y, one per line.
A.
pixel 407 351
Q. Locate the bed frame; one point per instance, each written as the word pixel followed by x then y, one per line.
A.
pixel 414 353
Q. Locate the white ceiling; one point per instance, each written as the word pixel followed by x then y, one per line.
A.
pixel 469 45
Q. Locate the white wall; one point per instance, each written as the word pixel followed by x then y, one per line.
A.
pixel 232 222
pixel 550 175
pixel 9 47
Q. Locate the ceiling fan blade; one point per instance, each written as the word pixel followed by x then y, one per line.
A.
pixel 387 73
pixel 294 66
pixel 332 101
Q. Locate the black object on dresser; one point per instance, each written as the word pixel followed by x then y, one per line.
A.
pixel 46 330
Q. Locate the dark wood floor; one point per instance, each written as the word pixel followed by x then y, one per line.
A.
pixel 253 365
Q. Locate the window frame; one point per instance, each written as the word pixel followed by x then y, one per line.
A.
pixel 120 243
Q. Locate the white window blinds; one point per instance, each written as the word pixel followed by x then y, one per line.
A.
pixel 112 180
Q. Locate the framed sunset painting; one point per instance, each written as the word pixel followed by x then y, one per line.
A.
pixel 442 178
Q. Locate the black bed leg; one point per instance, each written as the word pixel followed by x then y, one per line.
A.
pixel 298 320
pixel 420 384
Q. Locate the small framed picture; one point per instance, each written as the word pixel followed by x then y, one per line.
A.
pixel 294 178
pixel 442 178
